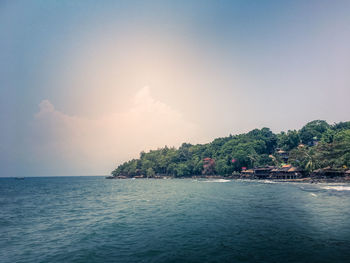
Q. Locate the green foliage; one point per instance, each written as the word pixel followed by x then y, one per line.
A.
pixel 313 130
pixel 150 173
pixel 341 126
pixel 288 141
pixel 227 155
pixel 182 169
pixel 304 157
pixel 334 153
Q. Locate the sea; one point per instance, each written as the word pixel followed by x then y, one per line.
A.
pixel 92 219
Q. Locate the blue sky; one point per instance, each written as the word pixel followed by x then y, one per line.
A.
pixel 88 84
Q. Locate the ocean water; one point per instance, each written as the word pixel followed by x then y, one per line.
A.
pixel 91 219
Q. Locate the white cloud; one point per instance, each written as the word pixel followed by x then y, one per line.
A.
pixel 84 145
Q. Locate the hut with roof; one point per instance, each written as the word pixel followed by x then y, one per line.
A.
pixel 262 172
pixel 286 172
pixel 328 172
pixel 247 173
pixel 282 154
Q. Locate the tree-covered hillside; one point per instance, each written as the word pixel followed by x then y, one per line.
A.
pixel 316 145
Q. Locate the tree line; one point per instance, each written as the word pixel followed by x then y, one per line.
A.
pixel 316 145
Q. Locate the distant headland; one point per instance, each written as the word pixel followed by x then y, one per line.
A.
pixel 317 152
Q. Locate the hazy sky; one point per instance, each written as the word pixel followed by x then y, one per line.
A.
pixel 86 85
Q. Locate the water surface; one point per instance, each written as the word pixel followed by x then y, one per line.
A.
pixel 91 219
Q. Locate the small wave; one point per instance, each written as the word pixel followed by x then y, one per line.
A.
pixel 337 188
pixel 312 194
pixel 217 181
pixel 268 182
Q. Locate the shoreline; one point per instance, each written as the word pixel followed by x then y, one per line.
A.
pixel 310 180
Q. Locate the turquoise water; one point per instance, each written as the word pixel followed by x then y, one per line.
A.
pixel 91 219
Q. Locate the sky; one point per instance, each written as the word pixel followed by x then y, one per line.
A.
pixel 87 85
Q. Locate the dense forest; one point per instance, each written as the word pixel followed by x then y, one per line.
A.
pixel 316 145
